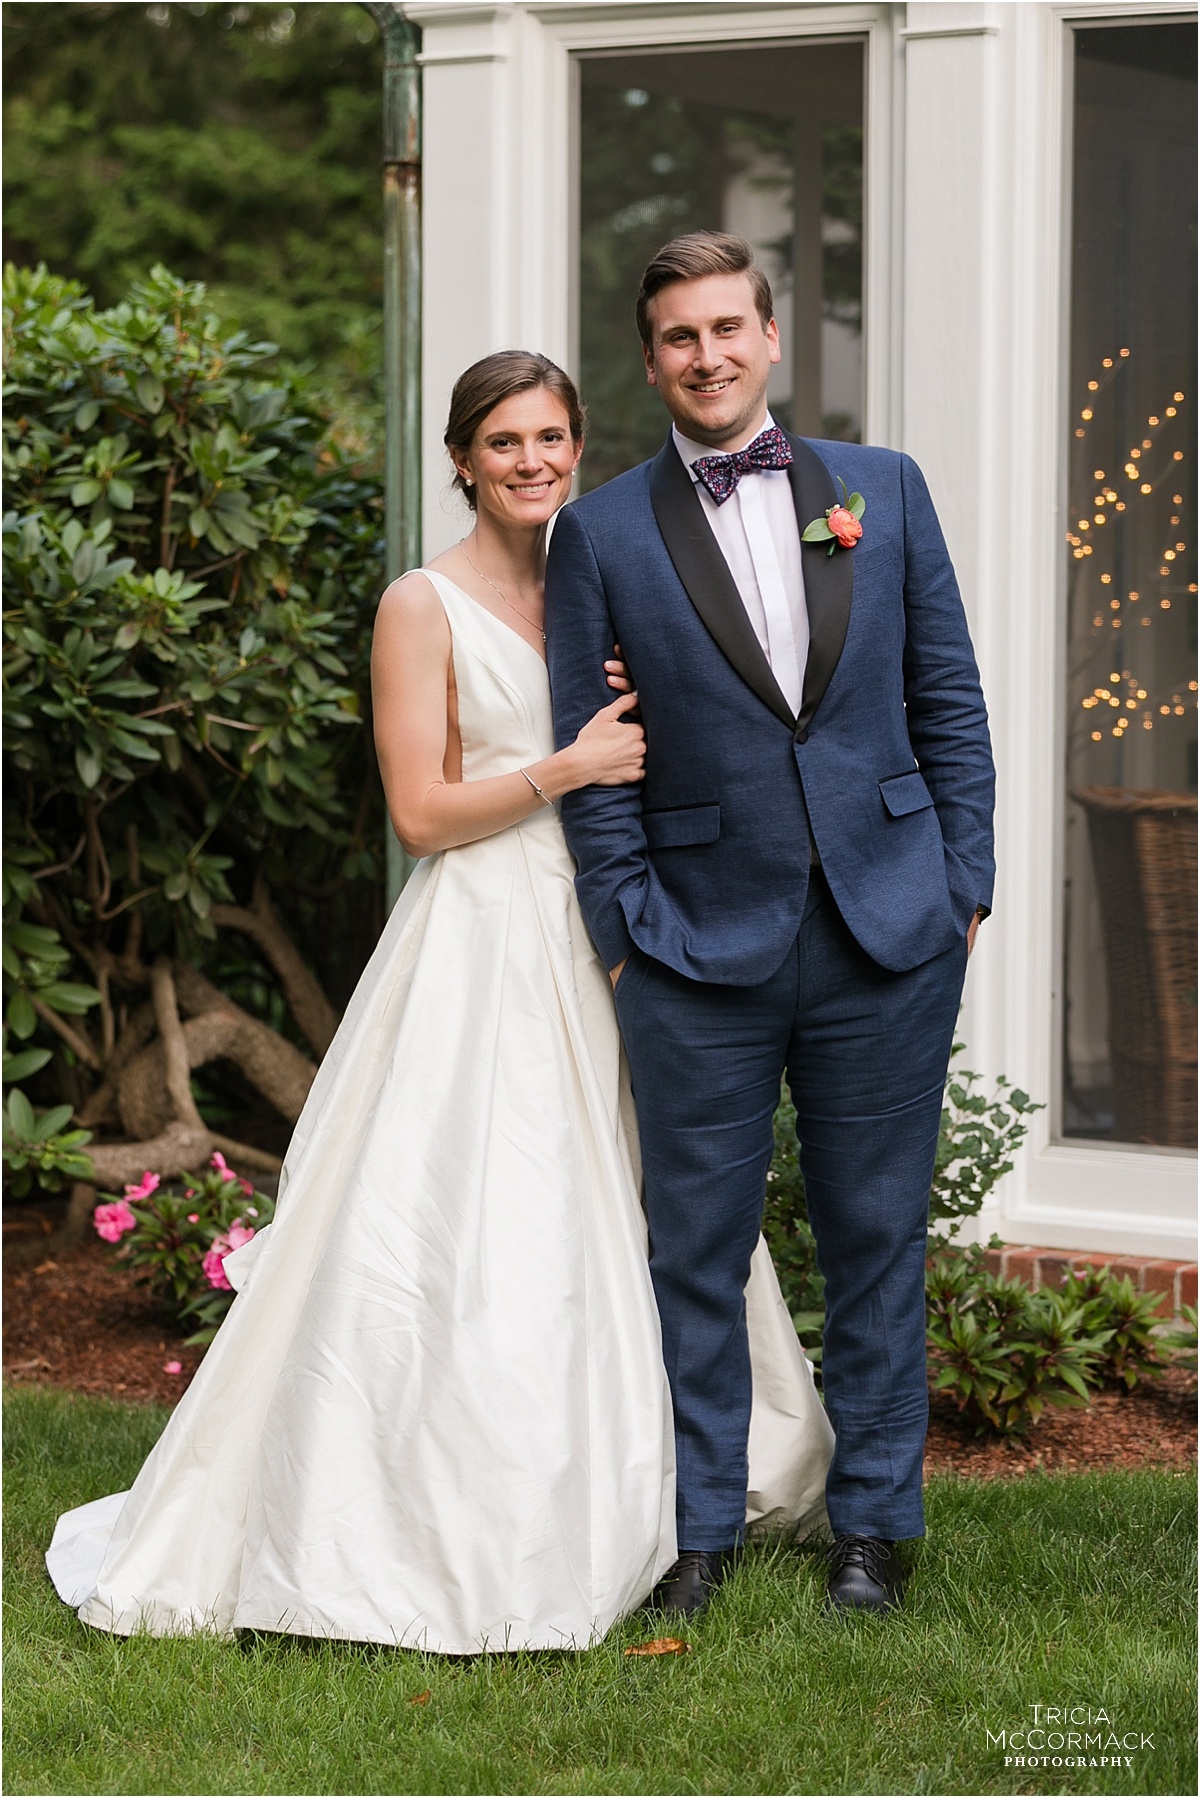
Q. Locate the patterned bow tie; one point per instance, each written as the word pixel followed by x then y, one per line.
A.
pixel 721 474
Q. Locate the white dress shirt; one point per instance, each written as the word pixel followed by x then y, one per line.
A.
pixel 759 537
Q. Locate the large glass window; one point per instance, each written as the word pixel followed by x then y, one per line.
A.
pixel 766 142
pixel 1129 897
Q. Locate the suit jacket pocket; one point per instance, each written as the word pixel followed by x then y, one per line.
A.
pixel 683 826
pixel 905 793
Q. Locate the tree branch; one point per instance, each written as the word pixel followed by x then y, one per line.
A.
pixel 166 1016
pixel 131 954
pixel 63 867
pixel 166 552
pixel 217 1029
pixel 99 880
pixel 301 988
pixel 74 1041
pixel 108 1024
pixel 178 1149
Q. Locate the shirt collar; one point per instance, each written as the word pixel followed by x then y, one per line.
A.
pixel 690 451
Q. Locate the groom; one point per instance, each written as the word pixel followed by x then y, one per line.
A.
pixel 795 888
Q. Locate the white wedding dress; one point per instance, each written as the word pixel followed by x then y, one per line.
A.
pixel 436 1415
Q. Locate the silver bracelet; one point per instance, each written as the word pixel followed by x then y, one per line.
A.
pixel 536 788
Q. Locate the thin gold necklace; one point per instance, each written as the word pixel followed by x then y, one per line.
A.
pixel 495 589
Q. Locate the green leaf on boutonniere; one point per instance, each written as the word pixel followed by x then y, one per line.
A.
pixel 856 504
pixel 816 532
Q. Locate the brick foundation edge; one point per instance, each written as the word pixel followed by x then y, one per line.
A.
pixel 1175 1281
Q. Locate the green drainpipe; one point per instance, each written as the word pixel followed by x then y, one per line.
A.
pixel 401 317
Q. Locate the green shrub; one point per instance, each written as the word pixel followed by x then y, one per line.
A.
pixel 190 576
pixel 978 1138
pixel 1004 1352
pixel 1127 1319
pixel 1181 1343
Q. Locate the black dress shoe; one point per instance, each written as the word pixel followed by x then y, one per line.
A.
pixel 689 1585
pixel 864 1575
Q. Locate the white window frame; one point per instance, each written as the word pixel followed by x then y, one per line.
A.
pixel 1068 1192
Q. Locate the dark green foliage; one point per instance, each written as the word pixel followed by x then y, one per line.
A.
pixel 190 573
pixel 42 1151
pixel 1001 1351
pixel 1004 1352
pixel 237 143
pixel 1128 1318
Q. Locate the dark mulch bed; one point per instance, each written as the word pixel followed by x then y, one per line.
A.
pixel 79 1319
pixel 1152 1426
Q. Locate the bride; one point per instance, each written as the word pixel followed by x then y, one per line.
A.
pixel 437 1415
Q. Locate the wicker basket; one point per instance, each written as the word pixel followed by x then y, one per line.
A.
pixel 1144 852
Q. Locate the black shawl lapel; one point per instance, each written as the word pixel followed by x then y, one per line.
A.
pixel 705 575
pixel 828 579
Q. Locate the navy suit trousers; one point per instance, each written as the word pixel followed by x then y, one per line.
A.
pixel 865 1052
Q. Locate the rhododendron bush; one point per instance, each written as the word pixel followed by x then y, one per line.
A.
pixel 178 1234
pixel 192 867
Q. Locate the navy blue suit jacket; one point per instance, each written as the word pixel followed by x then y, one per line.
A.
pixel 705 866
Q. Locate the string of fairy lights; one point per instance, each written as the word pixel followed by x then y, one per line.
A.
pixel 1144 476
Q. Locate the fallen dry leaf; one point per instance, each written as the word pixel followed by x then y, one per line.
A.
pixel 661 1645
pixel 46 1267
pixel 421 1697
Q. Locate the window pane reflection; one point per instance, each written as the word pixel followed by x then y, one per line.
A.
pixel 1129 978
pixel 764 142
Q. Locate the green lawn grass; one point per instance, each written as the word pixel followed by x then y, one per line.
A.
pixel 1067 1589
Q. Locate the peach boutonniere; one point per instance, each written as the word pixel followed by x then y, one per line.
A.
pixel 840 525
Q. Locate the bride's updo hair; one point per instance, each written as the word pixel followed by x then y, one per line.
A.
pixel 480 389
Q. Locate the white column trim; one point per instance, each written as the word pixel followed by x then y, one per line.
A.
pixel 949 31
pixel 436 61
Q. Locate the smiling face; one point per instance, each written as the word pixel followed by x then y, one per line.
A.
pixel 709 356
pixel 522 458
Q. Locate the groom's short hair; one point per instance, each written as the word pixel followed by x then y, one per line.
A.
pixel 694 255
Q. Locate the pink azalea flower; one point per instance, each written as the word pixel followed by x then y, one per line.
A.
pixel 219 1162
pixel 112 1221
pixel 144 1187
pixel 214 1266
pixel 172 1366
pixel 193 1217
pixel 247 1188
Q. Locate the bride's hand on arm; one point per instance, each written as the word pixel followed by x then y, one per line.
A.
pixel 410 679
pixel 617 673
